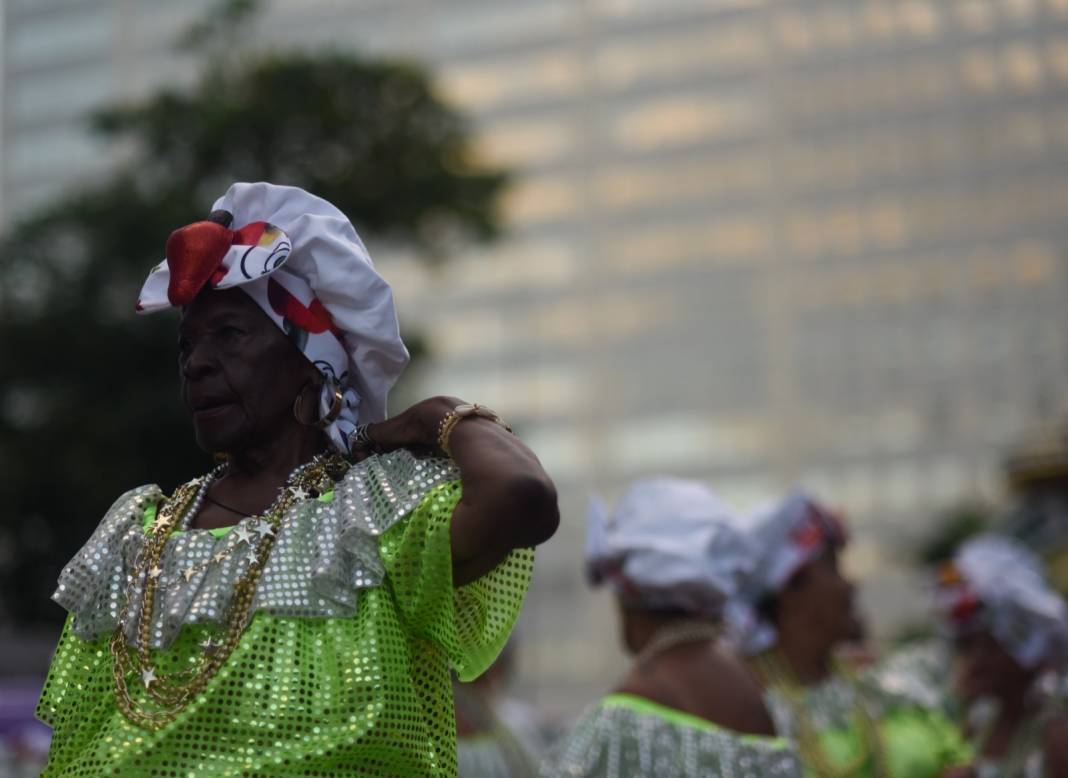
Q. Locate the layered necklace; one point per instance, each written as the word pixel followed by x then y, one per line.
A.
pixel 777 675
pixel 171 692
pixel 677 634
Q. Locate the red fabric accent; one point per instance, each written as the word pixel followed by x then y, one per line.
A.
pixel 250 234
pixel 820 526
pixel 965 607
pixel 194 253
pixel 808 534
pixel 313 318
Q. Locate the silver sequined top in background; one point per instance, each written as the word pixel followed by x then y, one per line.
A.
pixel 616 741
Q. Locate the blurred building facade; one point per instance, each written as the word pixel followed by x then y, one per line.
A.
pixel 757 242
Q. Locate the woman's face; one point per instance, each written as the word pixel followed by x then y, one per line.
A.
pixel 985 669
pixel 821 597
pixel 239 373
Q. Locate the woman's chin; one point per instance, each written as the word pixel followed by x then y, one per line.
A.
pixel 216 441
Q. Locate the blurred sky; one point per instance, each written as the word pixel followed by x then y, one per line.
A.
pixel 761 243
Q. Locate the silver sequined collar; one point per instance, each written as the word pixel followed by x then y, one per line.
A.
pixel 325 553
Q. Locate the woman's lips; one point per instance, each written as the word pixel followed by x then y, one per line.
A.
pixel 209 411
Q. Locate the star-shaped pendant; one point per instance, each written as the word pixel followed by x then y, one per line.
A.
pixel 243 535
pixel 264 529
pixel 148 676
pixel 188 573
pixel 155 571
pixel 220 556
pixel 299 493
pixel 252 556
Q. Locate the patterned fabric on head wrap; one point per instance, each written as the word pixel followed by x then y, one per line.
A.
pixel 669 544
pixel 299 258
pixel 996 584
pixel 785 536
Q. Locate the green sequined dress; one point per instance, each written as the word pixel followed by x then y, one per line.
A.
pixel 625 735
pixel 917 739
pixel 344 668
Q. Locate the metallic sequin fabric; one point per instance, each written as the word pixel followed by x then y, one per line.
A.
pixel 325 553
pixel 918 742
pixel 343 670
pixel 617 739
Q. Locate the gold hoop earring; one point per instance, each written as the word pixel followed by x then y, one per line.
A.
pixel 335 408
pixel 331 415
pixel 298 406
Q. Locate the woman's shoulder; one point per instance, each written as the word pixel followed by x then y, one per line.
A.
pixel 641 736
pixel 917 674
pixel 138 498
pixel 378 491
pixel 720 692
pixel 127 511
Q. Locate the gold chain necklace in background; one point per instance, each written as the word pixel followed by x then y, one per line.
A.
pixel 680 633
pixel 778 676
pixel 171 692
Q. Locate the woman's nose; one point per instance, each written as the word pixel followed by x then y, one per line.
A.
pixel 197 360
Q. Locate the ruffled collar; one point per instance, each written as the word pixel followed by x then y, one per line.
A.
pixel 325 553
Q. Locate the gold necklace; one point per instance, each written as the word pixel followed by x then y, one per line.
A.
pixel 689 631
pixel 170 693
pixel 777 675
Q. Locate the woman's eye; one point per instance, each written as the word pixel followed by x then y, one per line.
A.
pixel 231 332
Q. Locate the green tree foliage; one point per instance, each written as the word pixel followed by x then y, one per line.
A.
pixel 951 529
pixel 88 390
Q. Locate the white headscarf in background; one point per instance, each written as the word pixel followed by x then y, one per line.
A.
pixel 997 584
pixel 300 259
pixel 669 544
pixel 785 535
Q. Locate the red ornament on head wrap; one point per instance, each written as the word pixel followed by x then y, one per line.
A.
pixel 194 254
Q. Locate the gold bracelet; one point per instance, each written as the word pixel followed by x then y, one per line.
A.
pixel 458 414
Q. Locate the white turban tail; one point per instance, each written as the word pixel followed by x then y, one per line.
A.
pixel 669 544
pixel 997 584
pixel 300 259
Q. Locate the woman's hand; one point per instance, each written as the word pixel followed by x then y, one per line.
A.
pixel 415 429
pixel 508 499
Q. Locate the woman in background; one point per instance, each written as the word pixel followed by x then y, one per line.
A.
pixel 687 706
pixel 497 735
pixel 796 611
pixel 1010 632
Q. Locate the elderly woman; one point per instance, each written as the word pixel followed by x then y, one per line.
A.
pixel 795 610
pixel 290 612
pixel 687 707
pixel 1010 631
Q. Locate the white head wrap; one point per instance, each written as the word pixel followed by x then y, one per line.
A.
pixel 669 544
pixel 786 535
pixel 995 583
pixel 300 259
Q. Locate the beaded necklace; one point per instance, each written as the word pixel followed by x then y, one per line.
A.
pixel 777 675
pixel 170 693
pixel 689 631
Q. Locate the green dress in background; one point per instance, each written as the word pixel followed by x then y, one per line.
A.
pixel 625 735
pixel 916 740
pixel 343 670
